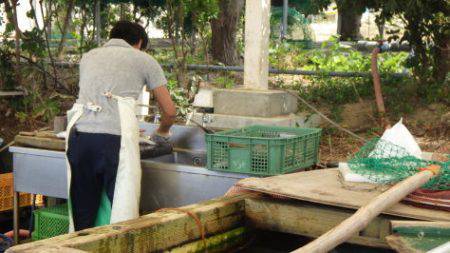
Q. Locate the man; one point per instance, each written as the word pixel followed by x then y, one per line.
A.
pixel 103 149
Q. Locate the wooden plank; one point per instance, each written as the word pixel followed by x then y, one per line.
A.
pixel 401 245
pixel 42 134
pixel 416 243
pixel 40 142
pixel 421 224
pixel 11 93
pixel 154 232
pixel 418 236
pixel 50 249
pixel 324 187
pixel 311 220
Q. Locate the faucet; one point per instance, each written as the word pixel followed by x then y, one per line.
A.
pixel 157 116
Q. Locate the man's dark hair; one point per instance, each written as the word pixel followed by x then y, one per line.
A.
pixel 130 32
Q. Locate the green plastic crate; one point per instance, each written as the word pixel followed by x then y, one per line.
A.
pixel 50 222
pixel 263 150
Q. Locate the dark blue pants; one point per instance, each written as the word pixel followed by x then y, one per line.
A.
pixel 93 159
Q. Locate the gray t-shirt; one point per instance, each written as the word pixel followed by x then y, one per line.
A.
pixel 120 69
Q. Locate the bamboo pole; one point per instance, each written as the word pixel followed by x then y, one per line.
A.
pixel 377 87
pixel 365 214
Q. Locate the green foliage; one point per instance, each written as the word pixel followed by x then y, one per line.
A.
pixel 296 20
pixel 7 80
pixel 181 17
pixel 178 95
pixel 182 20
pixel 427 29
pixel 36 106
pixel 336 91
pixel 310 6
pixel 33 43
pixel 224 81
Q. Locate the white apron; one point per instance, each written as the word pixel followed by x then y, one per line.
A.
pixel 127 189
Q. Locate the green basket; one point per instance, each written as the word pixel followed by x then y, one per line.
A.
pixel 50 222
pixel 263 150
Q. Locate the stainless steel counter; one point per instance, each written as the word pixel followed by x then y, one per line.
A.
pixel 168 181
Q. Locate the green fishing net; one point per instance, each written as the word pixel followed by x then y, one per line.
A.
pixel 384 162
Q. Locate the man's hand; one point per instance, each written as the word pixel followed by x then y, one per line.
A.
pixel 161 138
pixel 168 110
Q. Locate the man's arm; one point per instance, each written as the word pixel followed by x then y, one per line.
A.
pixel 168 110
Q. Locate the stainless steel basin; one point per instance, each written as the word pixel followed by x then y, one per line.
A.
pixel 191 158
pixel 181 178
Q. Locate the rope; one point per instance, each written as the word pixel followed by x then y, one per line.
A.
pixel 197 220
pixel 326 118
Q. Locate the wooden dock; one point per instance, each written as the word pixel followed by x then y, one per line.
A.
pixel 222 224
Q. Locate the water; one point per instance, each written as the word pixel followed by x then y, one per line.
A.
pixel 274 242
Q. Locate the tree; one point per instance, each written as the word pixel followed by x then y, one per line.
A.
pixel 179 20
pixel 349 18
pixel 224 29
pixel 349 14
pixel 11 14
pixel 427 29
pixel 65 28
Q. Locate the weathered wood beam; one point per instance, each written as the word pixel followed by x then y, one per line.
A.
pixel 40 142
pixel 154 232
pixel 11 93
pixel 401 245
pixel 437 226
pixel 311 220
pixel 50 249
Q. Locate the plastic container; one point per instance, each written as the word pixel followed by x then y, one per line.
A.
pixel 50 222
pixel 263 150
pixel 7 194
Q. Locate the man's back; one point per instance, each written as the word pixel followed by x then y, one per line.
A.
pixel 117 68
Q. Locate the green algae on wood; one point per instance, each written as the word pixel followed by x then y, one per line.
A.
pixel 154 232
pixel 217 243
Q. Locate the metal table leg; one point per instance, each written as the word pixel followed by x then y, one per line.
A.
pixel 16 224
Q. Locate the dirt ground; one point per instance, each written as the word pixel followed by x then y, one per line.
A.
pixel 340 147
pixel 10 126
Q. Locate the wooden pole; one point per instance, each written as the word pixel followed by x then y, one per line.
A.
pixel 377 87
pixel 365 214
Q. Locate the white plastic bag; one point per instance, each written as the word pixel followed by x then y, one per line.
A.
pixel 400 136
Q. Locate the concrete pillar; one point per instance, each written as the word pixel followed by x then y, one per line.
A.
pixel 284 29
pixel 97 22
pixel 257 32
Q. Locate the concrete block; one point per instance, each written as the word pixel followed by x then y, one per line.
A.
pixel 204 98
pixel 254 103
pixel 220 121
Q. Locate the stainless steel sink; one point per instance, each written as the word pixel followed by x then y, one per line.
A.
pixel 181 178
pixel 183 158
